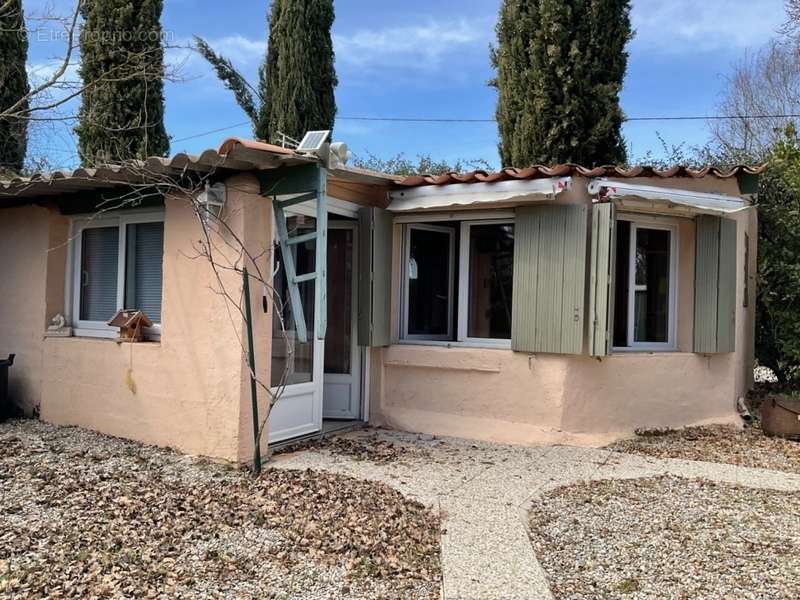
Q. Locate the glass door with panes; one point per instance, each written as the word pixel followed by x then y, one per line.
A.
pixel 342 378
pixel 296 371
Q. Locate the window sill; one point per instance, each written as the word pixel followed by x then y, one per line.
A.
pixel 89 336
pixel 653 353
pixel 442 358
pixel 644 350
pixel 487 344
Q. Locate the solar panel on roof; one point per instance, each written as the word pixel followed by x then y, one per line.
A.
pixel 313 140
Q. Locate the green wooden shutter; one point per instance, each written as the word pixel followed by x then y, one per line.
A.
pixel 715 285
pixel 375 277
pixel 601 281
pixel 549 279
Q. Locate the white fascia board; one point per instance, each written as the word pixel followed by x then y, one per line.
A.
pixel 697 202
pixel 465 195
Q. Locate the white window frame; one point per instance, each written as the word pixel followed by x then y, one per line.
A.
pixel 463 285
pixel 664 224
pixel 121 220
pixel 450 286
pixel 466 220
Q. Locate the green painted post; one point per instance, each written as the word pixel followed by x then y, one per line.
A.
pixel 252 362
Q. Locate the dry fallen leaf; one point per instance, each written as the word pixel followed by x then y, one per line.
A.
pixel 94 516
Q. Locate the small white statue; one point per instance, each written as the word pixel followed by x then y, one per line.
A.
pixel 58 327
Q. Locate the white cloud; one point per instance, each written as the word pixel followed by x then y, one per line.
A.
pixel 239 49
pixel 39 72
pixel 407 48
pixel 413 47
pixel 691 27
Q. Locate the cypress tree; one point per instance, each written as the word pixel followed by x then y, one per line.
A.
pixel 560 67
pixel 13 85
pixel 122 63
pixel 231 78
pixel 298 79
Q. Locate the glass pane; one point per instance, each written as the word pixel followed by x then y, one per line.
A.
pixel 99 256
pixel 621 283
pixel 338 338
pixel 651 292
pixel 491 269
pixel 143 275
pixel 293 362
pixel 429 282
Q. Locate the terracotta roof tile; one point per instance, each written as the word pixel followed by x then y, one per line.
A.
pixel 563 170
pixel 232 143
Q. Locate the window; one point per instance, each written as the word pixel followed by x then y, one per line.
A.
pixel 645 285
pixel 430 258
pixel 466 300
pixel 117 263
pixel 292 360
pixel 339 334
pixel 488 260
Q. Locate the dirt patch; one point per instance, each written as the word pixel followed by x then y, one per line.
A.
pixel 668 538
pixel 88 515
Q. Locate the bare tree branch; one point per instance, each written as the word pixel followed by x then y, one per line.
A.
pixel 59 72
pixel 226 253
pixel 763 83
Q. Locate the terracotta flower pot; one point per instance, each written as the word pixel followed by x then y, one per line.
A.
pixel 780 416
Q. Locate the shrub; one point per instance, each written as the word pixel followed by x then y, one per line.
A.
pixel 778 302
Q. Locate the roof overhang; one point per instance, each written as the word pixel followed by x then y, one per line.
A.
pixel 662 199
pixel 210 163
pixel 477 195
pixel 232 157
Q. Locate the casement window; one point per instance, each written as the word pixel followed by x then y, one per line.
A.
pixel 645 283
pixel 486 291
pixel 116 264
pixel 457 282
pixel 429 282
pixel 547 278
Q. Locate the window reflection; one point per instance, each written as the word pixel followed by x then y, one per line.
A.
pixel 651 300
pixel 491 272
pixel 429 275
pixel 290 358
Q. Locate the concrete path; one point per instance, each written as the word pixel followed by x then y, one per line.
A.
pixel 483 493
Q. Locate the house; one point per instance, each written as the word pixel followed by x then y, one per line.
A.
pixel 533 305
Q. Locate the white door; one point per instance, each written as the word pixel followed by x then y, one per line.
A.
pixel 342 387
pixel 296 372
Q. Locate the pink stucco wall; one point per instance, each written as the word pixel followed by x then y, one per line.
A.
pixel 23 260
pixel 182 391
pixel 500 395
pixel 190 390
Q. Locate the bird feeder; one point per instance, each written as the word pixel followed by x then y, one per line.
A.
pixel 131 323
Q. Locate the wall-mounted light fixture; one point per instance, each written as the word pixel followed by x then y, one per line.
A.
pixel 211 201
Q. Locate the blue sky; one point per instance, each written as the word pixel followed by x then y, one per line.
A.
pixel 415 58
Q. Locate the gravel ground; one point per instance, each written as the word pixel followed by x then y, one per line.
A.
pixel 367 445
pixel 85 515
pixel 667 537
pixel 721 444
